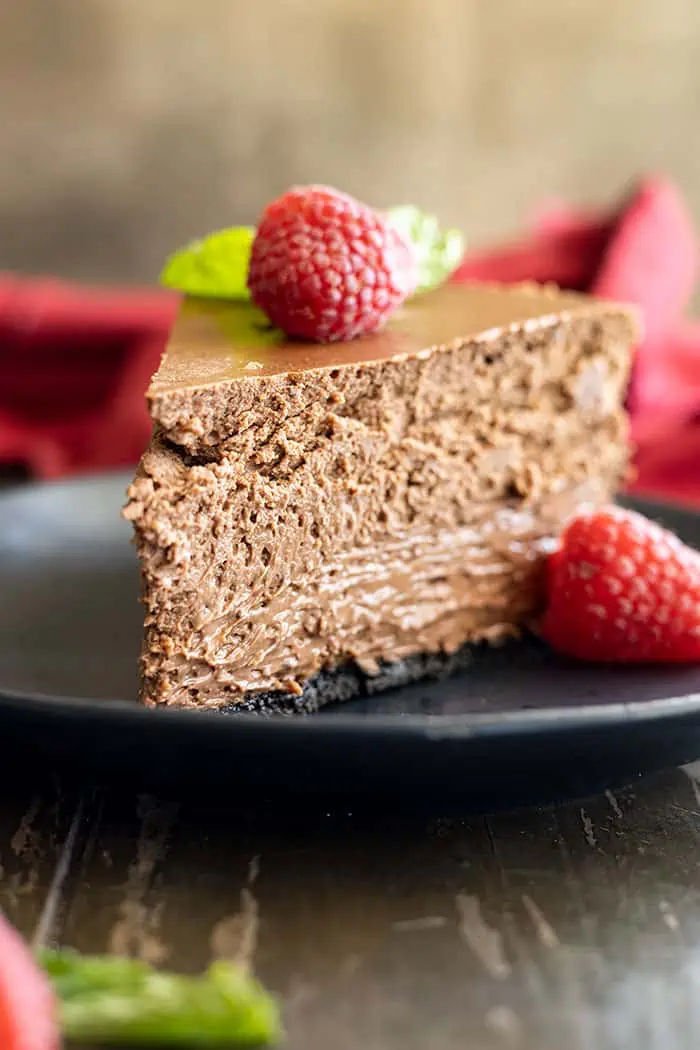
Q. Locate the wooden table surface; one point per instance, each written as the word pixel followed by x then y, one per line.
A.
pixel 572 926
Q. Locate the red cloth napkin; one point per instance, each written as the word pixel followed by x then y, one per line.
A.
pixel 75 361
pixel 74 365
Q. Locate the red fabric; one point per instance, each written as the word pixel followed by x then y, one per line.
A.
pixel 74 364
pixel 75 361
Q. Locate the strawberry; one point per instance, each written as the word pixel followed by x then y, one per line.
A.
pixel 325 267
pixel 622 589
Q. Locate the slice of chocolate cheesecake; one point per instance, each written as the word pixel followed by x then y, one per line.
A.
pixel 318 520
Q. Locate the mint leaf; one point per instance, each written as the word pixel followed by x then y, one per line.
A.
pixel 115 1001
pixel 215 267
pixel 438 252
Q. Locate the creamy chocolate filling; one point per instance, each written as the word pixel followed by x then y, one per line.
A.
pixel 421 592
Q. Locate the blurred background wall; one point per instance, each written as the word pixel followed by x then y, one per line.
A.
pixel 128 126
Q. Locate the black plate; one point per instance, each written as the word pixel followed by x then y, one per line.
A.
pixel 519 725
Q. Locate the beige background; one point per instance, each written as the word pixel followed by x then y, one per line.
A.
pixel 127 126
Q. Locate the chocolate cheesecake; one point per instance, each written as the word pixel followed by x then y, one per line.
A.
pixel 315 521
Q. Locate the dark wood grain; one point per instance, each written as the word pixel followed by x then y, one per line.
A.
pixel 573 926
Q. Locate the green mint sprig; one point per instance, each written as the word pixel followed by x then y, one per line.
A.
pixel 216 267
pixel 115 1001
pixel 438 252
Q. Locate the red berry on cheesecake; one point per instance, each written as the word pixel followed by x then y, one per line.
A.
pixel 325 267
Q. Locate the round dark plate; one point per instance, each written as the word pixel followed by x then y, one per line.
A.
pixel 517 726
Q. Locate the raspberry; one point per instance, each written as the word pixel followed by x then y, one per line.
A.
pixel 325 267
pixel 623 589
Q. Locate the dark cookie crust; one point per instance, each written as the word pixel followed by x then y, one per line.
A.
pixel 350 681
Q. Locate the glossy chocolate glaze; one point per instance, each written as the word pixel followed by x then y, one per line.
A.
pixel 217 342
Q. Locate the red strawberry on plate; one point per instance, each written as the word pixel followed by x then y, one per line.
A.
pixel 622 589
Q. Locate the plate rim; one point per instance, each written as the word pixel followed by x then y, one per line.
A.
pixel 469 725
